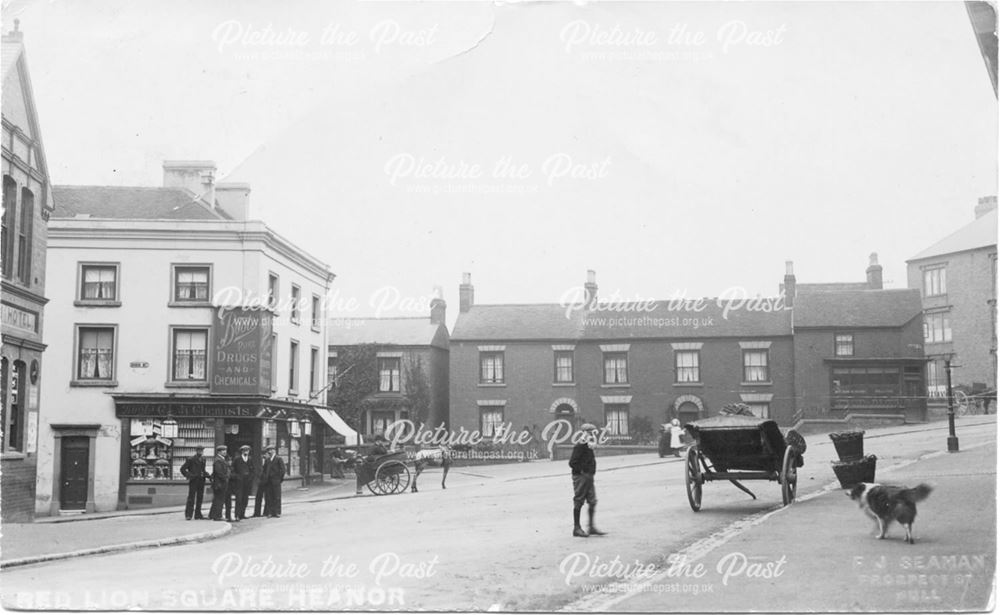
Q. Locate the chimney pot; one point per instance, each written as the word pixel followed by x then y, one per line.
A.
pixel 789 268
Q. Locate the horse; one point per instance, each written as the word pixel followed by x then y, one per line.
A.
pixel 440 456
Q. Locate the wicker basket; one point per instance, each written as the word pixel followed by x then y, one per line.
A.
pixel 850 445
pixel 850 473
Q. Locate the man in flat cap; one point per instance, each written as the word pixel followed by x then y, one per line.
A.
pixel 242 481
pixel 194 471
pixel 220 483
pixel 274 473
pixel 584 466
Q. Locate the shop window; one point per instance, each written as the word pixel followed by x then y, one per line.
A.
pixel 490 420
pixel 491 367
pixel 9 219
pixel 13 423
pixel 615 368
pixel 24 239
pixel 616 420
pixel 755 367
pixel 96 354
pixel 564 366
pixel 843 345
pixel 388 374
pixel 190 348
pixel 156 457
pixel 192 283
pixel 98 283
pixel 687 366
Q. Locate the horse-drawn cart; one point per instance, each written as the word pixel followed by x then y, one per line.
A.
pixel 385 474
pixel 735 448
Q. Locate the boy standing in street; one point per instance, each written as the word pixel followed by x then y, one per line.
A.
pixel 584 466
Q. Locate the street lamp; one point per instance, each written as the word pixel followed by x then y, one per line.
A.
pixel 952 438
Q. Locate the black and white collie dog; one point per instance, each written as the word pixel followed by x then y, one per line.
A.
pixel 886 503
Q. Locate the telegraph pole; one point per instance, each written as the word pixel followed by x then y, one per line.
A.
pixel 952 438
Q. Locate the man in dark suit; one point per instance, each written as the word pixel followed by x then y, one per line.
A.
pixel 220 483
pixel 261 498
pixel 584 466
pixel 242 480
pixel 274 473
pixel 194 470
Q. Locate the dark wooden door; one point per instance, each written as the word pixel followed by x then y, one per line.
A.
pixel 75 472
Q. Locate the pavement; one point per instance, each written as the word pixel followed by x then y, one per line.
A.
pixel 63 537
pixel 821 552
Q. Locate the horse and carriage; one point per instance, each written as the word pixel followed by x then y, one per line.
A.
pixel 386 472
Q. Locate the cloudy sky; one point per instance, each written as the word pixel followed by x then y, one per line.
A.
pixel 672 147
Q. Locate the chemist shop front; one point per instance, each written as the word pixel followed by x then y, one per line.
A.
pixel 160 432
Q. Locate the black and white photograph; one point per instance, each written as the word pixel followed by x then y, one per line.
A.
pixel 499 306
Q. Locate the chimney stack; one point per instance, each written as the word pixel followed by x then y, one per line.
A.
pixel 789 286
pixel 874 273
pixel 438 307
pixel 234 199
pixel 198 176
pixel 466 293
pixel 15 34
pixel 986 205
pixel 590 288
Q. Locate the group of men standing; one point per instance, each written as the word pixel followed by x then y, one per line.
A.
pixel 232 478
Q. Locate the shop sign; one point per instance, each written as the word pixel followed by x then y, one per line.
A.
pixel 129 409
pixel 241 363
pixel 16 318
pixel 857 403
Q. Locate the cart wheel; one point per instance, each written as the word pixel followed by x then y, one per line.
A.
pixel 692 478
pixel 402 480
pixel 789 476
pixel 375 487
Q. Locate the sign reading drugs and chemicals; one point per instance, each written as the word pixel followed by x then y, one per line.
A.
pixel 241 363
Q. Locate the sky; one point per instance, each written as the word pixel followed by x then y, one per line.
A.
pixel 674 148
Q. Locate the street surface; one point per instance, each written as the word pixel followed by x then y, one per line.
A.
pixel 500 538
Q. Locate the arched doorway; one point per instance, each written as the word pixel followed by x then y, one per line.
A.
pixel 688 408
pixel 565 408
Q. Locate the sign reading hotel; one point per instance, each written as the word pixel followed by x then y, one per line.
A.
pixel 241 363
pixel 17 318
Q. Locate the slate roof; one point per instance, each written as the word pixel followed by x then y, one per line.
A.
pixel 533 321
pixel 980 233
pixel 128 202
pixel 411 331
pixel 713 318
pixel 861 308
pixel 664 319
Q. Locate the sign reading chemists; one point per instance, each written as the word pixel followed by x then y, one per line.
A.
pixel 241 363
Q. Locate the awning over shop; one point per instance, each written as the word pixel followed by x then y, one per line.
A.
pixel 351 437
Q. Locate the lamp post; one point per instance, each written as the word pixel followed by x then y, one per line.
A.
pixel 952 438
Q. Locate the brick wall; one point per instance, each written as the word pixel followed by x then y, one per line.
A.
pixel 529 391
pixel 18 489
